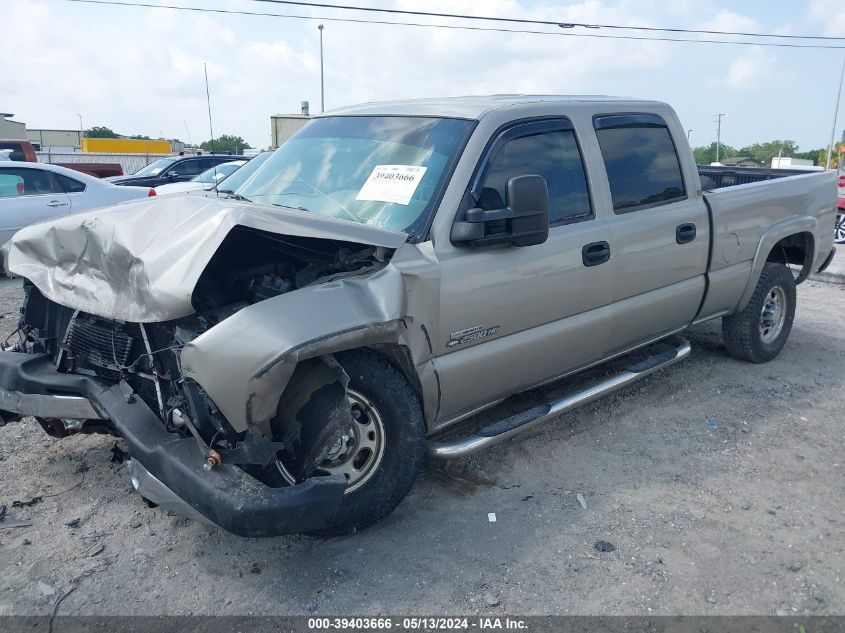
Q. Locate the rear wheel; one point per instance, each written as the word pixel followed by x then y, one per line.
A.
pixel 839 228
pixel 759 332
pixel 381 451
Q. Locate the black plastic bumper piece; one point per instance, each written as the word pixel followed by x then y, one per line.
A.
pixel 226 495
pixel 827 260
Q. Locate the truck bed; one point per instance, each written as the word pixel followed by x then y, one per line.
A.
pixel 750 210
pixel 722 176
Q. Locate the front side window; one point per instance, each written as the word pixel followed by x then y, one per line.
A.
pixel 641 162
pixel 24 182
pixel 554 155
pixel 385 171
pixel 186 168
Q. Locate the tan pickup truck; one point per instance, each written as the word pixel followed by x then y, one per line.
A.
pixel 284 358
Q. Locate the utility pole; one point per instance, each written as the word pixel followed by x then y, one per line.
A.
pixel 719 134
pixel 322 82
pixel 835 112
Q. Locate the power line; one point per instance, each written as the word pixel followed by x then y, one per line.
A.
pixel 558 23
pixel 454 26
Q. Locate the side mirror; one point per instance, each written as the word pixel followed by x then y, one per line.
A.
pixel 171 175
pixel 526 218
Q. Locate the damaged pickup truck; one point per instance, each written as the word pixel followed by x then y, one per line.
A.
pixel 284 358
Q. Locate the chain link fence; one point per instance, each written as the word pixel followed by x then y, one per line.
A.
pixel 130 162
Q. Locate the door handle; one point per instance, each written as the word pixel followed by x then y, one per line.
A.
pixel 56 203
pixel 685 233
pixel 595 253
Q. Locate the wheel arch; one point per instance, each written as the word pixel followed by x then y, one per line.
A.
pixel 789 242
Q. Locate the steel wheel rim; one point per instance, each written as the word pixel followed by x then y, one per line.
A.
pixel 773 314
pixel 839 230
pixel 359 452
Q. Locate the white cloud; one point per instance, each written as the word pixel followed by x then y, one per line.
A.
pixel 752 69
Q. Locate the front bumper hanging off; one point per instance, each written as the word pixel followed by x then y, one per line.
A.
pixel 165 467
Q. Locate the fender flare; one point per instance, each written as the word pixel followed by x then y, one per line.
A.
pixel 773 235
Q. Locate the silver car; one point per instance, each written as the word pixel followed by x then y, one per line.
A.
pixel 32 192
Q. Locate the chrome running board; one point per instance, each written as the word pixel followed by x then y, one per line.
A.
pixel 508 427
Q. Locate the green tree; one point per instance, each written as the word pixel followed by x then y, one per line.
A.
pixel 140 137
pixel 765 152
pixel 100 131
pixel 225 143
pixel 707 154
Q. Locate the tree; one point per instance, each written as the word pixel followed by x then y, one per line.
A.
pixel 140 137
pixel 225 143
pixel 707 154
pixel 100 131
pixel 765 152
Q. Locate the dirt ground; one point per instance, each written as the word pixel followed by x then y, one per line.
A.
pixel 718 482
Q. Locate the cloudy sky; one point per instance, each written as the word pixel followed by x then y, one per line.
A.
pixel 140 70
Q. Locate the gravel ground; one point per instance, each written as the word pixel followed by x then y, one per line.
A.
pixel 718 482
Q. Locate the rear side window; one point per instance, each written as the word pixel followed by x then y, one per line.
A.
pixel 24 182
pixel 69 185
pixel 554 155
pixel 641 161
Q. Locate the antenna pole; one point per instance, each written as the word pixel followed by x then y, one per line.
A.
pixel 210 128
pixel 322 82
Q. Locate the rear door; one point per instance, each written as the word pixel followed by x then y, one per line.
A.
pixel 27 195
pixel 659 229
pixel 76 191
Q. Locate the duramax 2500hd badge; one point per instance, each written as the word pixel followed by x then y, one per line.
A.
pixel 471 334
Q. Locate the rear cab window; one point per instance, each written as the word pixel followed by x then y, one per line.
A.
pixel 643 169
pixel 546 148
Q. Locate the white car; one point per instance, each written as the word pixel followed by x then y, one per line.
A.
pixel 206 180
pixel 32 192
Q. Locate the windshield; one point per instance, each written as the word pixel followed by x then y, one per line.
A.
pixel 217 173
pixel 154 169
pixel 385 171
pixel 240 177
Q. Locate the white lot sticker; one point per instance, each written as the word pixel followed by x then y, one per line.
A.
pixel 392 183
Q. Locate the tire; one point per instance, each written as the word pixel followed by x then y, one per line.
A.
pixel 839 228
pixel 374 380
pixel 759 332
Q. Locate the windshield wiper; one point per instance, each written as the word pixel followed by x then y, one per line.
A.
pixel 235 196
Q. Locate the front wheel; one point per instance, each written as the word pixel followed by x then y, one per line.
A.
pixel 759 332
pixel 382 450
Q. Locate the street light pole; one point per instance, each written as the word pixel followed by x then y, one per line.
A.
pixel 322 82
pixel 688 133
pixel 718 134
pixel 835 112
pixel 81 130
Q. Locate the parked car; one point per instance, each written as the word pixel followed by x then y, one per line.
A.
pixel 208 179
pixel 283 360
pixel 171 169
pixel 31 192
pixel 236 180
pixel 21 151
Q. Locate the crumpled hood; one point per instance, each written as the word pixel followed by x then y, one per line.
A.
pixel 139 261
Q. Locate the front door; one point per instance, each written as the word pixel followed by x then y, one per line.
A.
pixel 27 195
pixel 514 317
